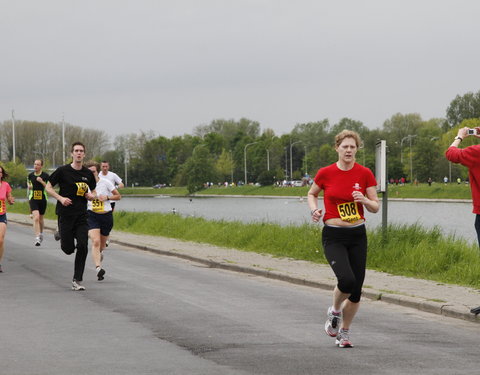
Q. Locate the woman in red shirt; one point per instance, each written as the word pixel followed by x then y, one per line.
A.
pixel 347 188
pixel 5 196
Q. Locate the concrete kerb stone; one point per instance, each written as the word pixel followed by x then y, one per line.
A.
pixel 421 304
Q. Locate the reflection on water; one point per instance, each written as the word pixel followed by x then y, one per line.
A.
pixel 452 218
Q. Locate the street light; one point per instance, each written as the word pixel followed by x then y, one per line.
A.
pixel 13 134
pixel 411 165
pixel 401 148
pixel 231 162
pixel 305 147
pixel 53 158
pixel 291 171
pixel 245 158
pixel 409 137
pixel 126 164
pixel 268 156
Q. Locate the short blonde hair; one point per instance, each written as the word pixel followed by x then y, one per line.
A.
pixel 347 134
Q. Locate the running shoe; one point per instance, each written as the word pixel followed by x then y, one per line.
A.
pixel 56 235
pixel 333 323
pixel 40 236
pixel 343 339
pixel 38 241
pixel 77 286
pixel 107 243
pixel 100 274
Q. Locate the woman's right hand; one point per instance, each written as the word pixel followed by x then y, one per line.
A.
pixel 317 215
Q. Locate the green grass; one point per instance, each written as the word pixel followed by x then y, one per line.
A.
pixel 436 191
pixel 409 250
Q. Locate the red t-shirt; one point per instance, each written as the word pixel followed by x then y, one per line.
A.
pixel 338 186
pixel 470 158
pixel 4 190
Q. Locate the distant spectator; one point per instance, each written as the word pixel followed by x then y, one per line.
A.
pixel 429 181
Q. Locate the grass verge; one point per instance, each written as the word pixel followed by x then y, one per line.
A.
pixel 409 250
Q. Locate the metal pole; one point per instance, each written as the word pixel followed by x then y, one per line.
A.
pixel 411 167
pixel 268 160
pixel 126 162
pixel 245 158
pixel 231 161
pixel 291 169
pixel 305 160
pixel 13 134
pixel 286 168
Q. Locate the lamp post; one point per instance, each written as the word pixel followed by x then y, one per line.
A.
pixel 126 163
pixel 13 135
pixel 268 155
pixel 401 148
pixel 409 137
pixel 245 158
pixel 305 147
pixel 291 169
pixel 231 162
pixel 53 158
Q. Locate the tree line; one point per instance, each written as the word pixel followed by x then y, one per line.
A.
pixel 237 150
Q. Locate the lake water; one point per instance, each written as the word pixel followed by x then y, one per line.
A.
pixel 452 217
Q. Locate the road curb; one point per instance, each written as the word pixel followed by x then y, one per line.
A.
pixel 433 307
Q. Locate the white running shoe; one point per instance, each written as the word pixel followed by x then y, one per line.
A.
pixel 333 323
pixel 77 286
pixel 38 241
pixel 343 339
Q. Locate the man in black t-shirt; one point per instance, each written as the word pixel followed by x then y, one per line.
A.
pixel 74 181
pixel 37 198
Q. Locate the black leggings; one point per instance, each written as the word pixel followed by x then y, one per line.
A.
pixel 73 228
pixel 346 251
pixel 477 227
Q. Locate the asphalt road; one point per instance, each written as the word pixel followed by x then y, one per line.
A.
pixel 161 315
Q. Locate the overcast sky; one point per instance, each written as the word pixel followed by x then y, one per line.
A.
pixel 168 66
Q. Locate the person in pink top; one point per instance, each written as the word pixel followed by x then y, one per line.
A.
pixel 470 158
pixel 5 196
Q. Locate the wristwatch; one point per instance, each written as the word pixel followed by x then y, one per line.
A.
pixel 458 137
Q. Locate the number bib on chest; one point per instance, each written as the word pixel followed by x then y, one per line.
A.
pixel 97 206
pixel 2 207
pixel 37 194
pixel 349 211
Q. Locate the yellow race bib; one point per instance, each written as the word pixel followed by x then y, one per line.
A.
pixel 349 211
pixel 2 206
pixel 37 194
pixel 97 206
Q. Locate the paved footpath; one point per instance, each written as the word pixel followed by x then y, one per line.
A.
pixel 443 299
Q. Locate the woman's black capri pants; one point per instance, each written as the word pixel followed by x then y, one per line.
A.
pixel 346 251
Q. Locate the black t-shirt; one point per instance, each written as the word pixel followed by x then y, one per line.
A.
pixel 37 190
pixel 73 184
